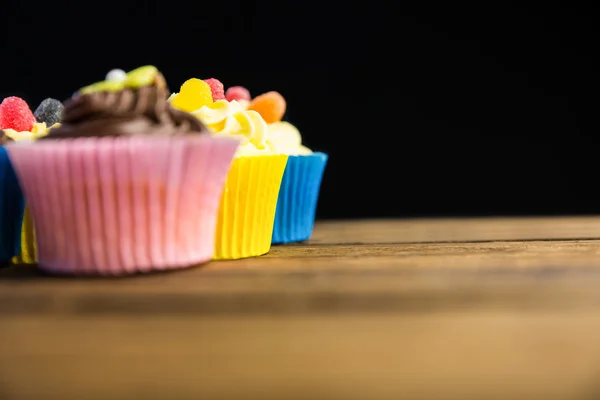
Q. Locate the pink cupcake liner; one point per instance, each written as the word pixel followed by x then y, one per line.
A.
pixel 112 206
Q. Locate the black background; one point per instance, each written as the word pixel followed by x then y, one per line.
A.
pixel 441 110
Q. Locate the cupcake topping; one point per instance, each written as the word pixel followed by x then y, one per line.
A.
pixel 136 105
pixel 193 95
pixel 229 118
pixel 49 111
pixel 196 93
pixel 17 122
pixel 15 114
pixel 217 89
pixel 234 113
pixel 139 77
pixel 286 139
pixel 271 106
pixel 238 93
pixel 117 75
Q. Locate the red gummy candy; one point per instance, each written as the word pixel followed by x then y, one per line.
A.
pixel 15 114
pixel 237 93
pixel 216 87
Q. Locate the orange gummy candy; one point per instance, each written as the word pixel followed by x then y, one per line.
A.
pixel 270 106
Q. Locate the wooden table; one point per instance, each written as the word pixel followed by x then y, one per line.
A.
pixel 411 309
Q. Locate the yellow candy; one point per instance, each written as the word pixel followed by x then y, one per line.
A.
pixel 194 94
pixel 142 76
pixel 104 86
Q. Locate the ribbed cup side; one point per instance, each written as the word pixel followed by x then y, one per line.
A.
pixel 298 197
pixel 112 206
pixel 247 211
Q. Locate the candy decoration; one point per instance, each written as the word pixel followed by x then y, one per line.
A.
pixel 102 86
pixel 217 89
pixel 49 111
pixel 142 76
pixel 116 75
pixel 15 114
pixel 193 95
pixel 271 106
pixel 237 93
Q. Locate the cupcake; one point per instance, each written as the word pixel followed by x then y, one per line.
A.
pixel 299 193
pixel 17 123
pixel 247 209
pixel 47 116
pixel 126 184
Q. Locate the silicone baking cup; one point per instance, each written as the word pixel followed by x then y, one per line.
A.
pixel 12 205
pixel 113 206
pixel 247 212
pixel 298 196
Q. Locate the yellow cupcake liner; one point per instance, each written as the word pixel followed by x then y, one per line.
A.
pixel 28 254
pixel 247 210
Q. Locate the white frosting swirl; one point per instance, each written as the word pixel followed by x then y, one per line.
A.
pixel 229 118
pixel 285 138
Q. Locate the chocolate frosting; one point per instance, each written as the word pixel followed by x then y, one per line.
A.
pixel 144 111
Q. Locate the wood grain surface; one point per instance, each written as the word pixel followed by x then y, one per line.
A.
pixel 496 308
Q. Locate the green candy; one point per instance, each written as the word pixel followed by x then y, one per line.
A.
pixel 142 76
pixel 104 86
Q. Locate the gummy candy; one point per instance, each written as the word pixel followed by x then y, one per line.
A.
pixel 193 95
pixel 217 89
pixel 237 93
pixel 271 106
pixel 103 86
pixel 142 76
pixel 49 111
pixel 15 114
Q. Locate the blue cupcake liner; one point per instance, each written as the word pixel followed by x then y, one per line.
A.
pixel 298 196
pixel 12 207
